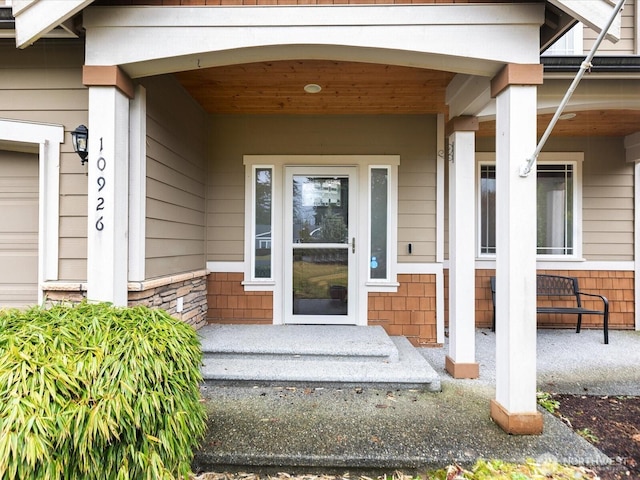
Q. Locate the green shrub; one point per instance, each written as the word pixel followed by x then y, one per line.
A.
pixel 97 392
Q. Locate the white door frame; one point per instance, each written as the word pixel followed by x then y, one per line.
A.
pixel 350 172
pixel 362 163
pixel 48 138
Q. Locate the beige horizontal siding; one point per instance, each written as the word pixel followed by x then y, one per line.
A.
pixel 184 198
pixel 70 119
pixel 624 216
pixel 233 191
pixel 162 228
pixel 228 206
pixel 176 166
pixel 607 201
pixel 225 212
pixel 58 78
pixel 415 220
pixel 173 213
pixel 74 226
pixel 233 249
pixel 43 83
pixel 70 267
pixel 227 234
pixel 228 219
pixel 73 205
pixel 417 207
pixel 412 137
pixel 73 248
pixel 175 247
pixel 628 43
pixel 174 263
pixel 38 100
pixel 46 53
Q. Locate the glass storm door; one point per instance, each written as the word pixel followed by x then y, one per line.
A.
pixel 320 245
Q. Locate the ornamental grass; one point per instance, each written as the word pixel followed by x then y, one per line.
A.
pixel 92 391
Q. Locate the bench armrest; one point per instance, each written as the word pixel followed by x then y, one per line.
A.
pixel 601 297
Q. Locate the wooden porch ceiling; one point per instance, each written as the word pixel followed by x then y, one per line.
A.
pixel 347 88
pixel 350 88
pixel 602 123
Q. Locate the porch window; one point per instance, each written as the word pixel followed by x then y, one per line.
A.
pixel 557 209
pixel 263 222
pixel 571 43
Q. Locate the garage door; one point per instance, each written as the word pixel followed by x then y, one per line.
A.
pixel 18 229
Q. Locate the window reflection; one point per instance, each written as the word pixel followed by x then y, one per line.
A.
pixel 320 209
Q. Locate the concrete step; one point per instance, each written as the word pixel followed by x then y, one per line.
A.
pixel 338 342
pixel 312 355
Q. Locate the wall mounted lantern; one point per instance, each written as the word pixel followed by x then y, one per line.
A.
pixel 80 140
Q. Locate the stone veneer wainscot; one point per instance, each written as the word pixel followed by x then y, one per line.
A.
pixel 162 292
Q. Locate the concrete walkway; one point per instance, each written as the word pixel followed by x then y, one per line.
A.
pixel 363 429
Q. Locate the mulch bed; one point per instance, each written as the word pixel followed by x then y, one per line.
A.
pixel 612 424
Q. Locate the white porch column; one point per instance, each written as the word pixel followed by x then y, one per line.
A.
pixel 461 361
pixel 632 153
pixel 514 407
pixel 137 185
pixel 108 189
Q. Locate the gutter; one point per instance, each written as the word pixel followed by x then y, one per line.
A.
pixel 7 22
pixel 606 64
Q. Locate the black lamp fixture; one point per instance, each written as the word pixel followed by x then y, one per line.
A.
pixel 80 139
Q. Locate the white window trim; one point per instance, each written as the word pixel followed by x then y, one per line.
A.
pixel 574 158
pixel 251 282
pixel 390 282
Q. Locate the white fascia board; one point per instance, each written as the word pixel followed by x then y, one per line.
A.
pixel 30 132
pixel 594 13
pixel 319 15
pixel 169 39
pixel 18 6
pixel 35 18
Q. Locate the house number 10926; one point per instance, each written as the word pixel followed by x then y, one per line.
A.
pixel 101 163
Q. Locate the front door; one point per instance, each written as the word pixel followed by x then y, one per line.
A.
pixel 320 245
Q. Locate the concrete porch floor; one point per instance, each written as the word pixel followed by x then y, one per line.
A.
pixel 363 428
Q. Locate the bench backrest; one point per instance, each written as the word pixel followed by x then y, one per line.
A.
pixel 556 286
pixel 550 285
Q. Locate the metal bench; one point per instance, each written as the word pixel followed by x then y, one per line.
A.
pixel 558 286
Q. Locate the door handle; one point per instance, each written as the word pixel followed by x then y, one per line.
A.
pixel 353 245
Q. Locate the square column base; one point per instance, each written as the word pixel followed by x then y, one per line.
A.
pixel 461 370
pixel 516 423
